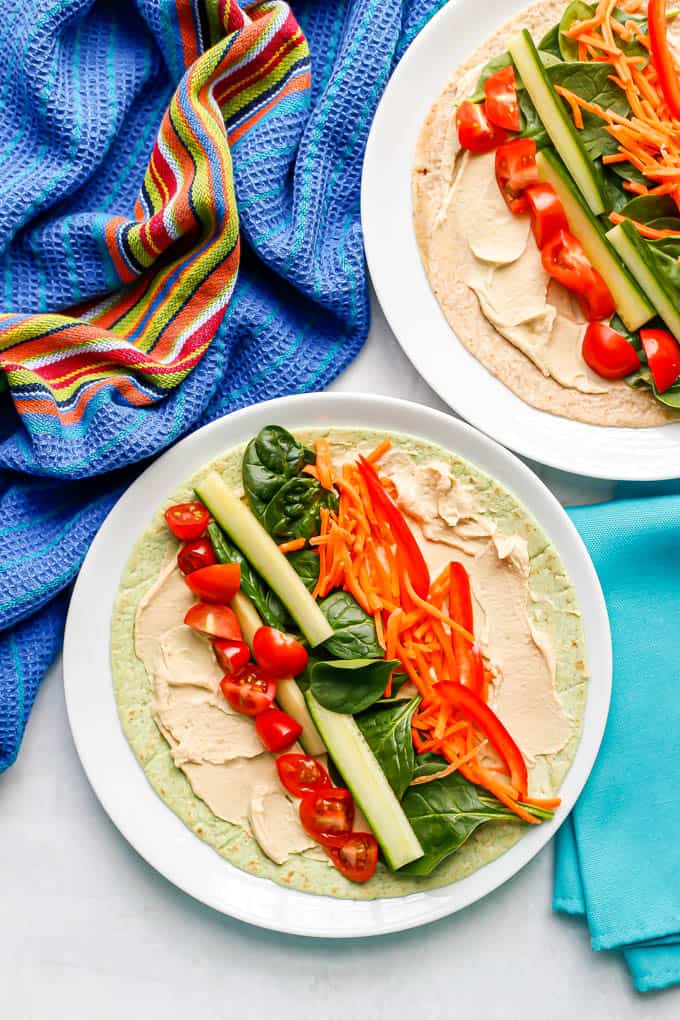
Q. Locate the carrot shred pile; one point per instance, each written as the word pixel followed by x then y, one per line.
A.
pixel 650 138
pixel 358 553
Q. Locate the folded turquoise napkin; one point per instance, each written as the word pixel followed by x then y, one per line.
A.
pixel 617 858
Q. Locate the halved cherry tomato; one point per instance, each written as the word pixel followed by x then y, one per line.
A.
pixel 280 654
pixel 216 621
pixel 409 554
pixel 502 107
pixel 547 212
pixel 301 774
pixel 276 729
pixel 357 857
pixel 196 554
pixel 516 171
pixel 218 583
pixel 328 815
pixel 249 691
pixel 609 353
pixel 187 520
pixel 596 300
pixel 663 357
pixel 231 655
pixel 475 132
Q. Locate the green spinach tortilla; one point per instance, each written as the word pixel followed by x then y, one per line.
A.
pixel 553 604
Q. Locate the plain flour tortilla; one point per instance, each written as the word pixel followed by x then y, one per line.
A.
pixel 553 609
pixel 446 257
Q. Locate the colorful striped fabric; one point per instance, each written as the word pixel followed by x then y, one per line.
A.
pixel 179 237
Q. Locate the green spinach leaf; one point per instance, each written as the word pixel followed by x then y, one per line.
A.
pixel 550 43
pixel 286 501
pixel 388 733
pixel 445 812
pixel 350 685
pixel 504 60
pixel 576 11
pixel 646 208
pixel 591 82
pixel 267 603
pixel 305 563
pixel 354 630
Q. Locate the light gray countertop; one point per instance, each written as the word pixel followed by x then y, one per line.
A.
pixel 88 929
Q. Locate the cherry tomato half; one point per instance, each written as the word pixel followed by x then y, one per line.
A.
pixel 196 554
pixel 249 691
pixel 609 353
pixel 278 653
pixel 502 107
pixel 357 857
pixel 328 815
pixel 516 171
pixel 187 520
pixel 475 132
pixel 217 583
pixel 300 774
pixel 663 357
pixel 216 621
pixel 277 730
pixel 547 212
pixel 231 655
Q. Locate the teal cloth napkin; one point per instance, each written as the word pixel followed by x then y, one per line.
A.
pixel 617 859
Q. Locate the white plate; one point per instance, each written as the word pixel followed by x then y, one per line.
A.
pixel 119 782
pixel 411 308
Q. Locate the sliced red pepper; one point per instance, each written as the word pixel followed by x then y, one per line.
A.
pixel 468 657
pixel 663 357
pixel 409 552
pixel 472 706
pixel 662 58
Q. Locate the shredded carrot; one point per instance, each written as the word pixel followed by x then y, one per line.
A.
pixel 310 469
pixel 549 803
pixel 380 449
pixel 450 768
pixel 635 188
pixel 324 465
pixel 645 231
pixel 292 546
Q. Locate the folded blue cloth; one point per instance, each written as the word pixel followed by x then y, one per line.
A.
pixel 617 859
pixel 83 89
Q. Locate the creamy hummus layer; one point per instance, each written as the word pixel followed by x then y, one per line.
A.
pixel 218 749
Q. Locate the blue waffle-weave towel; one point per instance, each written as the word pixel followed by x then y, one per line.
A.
pixel 137 136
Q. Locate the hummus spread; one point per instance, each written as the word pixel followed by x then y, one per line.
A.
pixel 219 750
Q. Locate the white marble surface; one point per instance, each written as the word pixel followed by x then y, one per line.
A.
pixel 87 929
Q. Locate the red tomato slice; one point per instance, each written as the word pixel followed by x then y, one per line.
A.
pixel 663 357
pixel 196 554
pixel 300 774
pixel 218 583
pixel 231 655
pixel 277 730
pixel 565 260
pixel 475 132
pixel 516 171
pixel 502 107
pixel 249 691
pixel 596 301
pixel 547 212
pixel 216 621
pixel 609 353
pixel 278 653
pixel 328 815
pixel 187 520
pixel 357 857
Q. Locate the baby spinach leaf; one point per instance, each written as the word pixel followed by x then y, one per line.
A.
pixel 305 563
pixel 354 630
pixel 286 501
pixel 388 733
pixel 532 125
pixel 591 82
pixel 576 11
pixel 268 605
pixel 445 812
pixel 350 685
pixel 550 43
pixel 294 510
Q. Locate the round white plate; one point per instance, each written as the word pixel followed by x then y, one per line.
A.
pixel 119 782
pixel 409 304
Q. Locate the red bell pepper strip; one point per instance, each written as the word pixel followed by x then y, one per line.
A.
pixel 408 550
pixel 661 55
pixel 473 708
pixel 468 657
